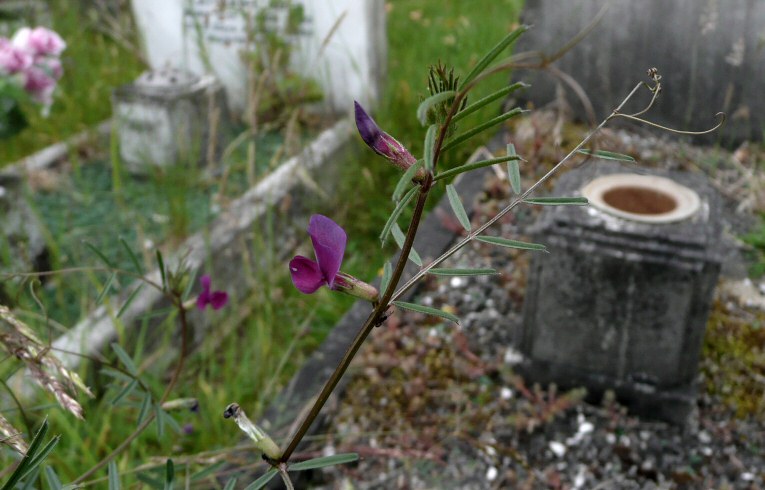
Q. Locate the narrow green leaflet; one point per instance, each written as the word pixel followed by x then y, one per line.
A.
pixel 124 392
pixel 231 484
pixel 504 242
pixel 491 55
pixel 442 271
pixel 209 471
pixel 430 142
pixel 169 475
pixel 406 180
pixel 399 237
pixel 473 166
pixel 160 420
pixel 427 310
pixel 54 482
pixel 457 207
pixel 481 127
pixel 262 481
pixel 427 104
pixel 387 273
pixel 41 455
pixel 129 300
pixel 27 466
pixel 162 272
pixel 325 461
pixel 499 94
pixel 133 257
pixel 513 170
pixel 114 476
pixel 607 155
pixel 145 407
pixel 396 213
pixel 100 255
pixel 557 201
pixel 125 359
pixel 116 374
pixel 106 288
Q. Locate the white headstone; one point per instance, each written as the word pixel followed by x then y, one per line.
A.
pixel 341 44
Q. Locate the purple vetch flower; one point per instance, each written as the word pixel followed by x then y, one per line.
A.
pixel 380 141
pixel 329 240
pixel 216 299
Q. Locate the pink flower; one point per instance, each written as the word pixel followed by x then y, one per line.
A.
pixel 12 59
pixel 216 299
pixel 40 84
pixel 39 41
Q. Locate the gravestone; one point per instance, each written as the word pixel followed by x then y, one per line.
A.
pixel 339 43
pixel 168 117
pixel 621 301
pixel 711 54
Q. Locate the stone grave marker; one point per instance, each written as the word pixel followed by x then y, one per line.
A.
pixel 621 301
pixel 168 116
pixel 711 54
pixel 339 43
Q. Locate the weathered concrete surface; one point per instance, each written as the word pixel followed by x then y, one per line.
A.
pixel 619 304
pixel 711 54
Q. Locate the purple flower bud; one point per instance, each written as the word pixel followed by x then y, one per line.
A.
pixel 216 299
pixel 380 141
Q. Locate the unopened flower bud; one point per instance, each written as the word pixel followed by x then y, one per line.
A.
pixel 382 143
pixel 348 284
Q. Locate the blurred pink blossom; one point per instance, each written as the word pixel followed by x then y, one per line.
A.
pixel 39 41
pixel 12 59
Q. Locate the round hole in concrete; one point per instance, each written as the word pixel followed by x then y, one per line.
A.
pixel 644 198
pixel 639 200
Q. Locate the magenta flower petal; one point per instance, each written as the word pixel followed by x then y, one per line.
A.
pixel 306 275
pixel 218 299
pixel 329 241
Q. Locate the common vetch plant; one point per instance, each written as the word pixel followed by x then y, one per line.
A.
pixel 441 115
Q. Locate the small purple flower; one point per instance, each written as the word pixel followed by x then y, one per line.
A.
pixel 216 299
pixel 188 429
pixel 380 141
pixel 329 241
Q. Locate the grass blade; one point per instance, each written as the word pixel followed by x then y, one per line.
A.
pixel 499 94
pixel 169 475
pixel 399 237
pixel 457 207
pixel 262 481
pixel 557 201
pixel 513 170
pixel 210 470
pixel 40 456
pixel 504 242
pixel 162 272
pixel 427 104
pixel 145 407
pixel 430 142
pixel 427 310
pixel 396 213
pixel 473 166
pixel 54 482
pixel 114 476
pixel 607 155
pixel 481 127
pixel 325 461
pixel 442 271
pixel 491 55
pixel 406 180
pixel 231 484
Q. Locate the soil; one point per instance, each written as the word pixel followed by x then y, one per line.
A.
pixel 431 404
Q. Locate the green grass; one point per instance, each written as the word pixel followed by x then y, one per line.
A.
pixel 93 66
pixel 240 361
